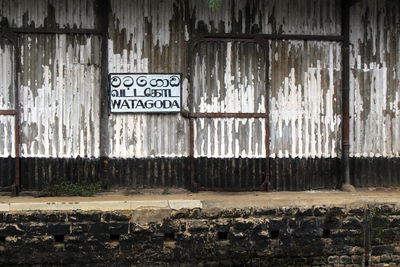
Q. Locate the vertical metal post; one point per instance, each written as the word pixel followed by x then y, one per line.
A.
pixel 14 40
pixel 17 63
pixel 102 23
pixel 267 135
pixel 345 24
pixel 193 183
pixel 266 185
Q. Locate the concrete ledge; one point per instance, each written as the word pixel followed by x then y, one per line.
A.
pixel 185 204
pixel 101 205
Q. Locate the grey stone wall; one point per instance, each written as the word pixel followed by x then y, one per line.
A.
pixel 318 236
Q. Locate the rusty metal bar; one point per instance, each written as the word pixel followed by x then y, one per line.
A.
pixel 224 115
pixel 10 112
pixel 29 30
pixel 16 187
pixel 227 189
pixel 345 24
pixel 304 37
pixel 266 186
pixel 103 10
pixel 193 184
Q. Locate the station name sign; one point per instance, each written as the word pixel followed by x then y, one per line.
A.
pixel 145 93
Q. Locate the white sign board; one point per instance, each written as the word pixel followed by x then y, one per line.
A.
pixel 145 93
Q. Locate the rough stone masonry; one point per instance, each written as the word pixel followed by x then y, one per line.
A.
pixel 363 235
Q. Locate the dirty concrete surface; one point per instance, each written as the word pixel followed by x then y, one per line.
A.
pixel 224 200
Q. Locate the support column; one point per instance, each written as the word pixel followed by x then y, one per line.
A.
pixel 102 22
pixel 345 24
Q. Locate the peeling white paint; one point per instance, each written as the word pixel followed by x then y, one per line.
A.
pixel 142 135
pixel 229 138
pixel 59 109
pixel 242 86
pixel 305 118
pixel 7 136
pixel 60 89
pixel 6 76
pixel 67 13
pixel 7 133
pixel 274 16
pixel 375 79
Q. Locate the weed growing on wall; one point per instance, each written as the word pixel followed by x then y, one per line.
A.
pixel 214 3
pixel 65 188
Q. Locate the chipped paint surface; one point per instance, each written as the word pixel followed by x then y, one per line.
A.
pixel 305 110
pixel 60 79
pixel 375 79
pixel 229 77
pixel 7 130
pixel 273 16
pixel 229 138
pixel 6 75
pixel 48 13
pixel 7 136
pixel 148 36
pixel 59 95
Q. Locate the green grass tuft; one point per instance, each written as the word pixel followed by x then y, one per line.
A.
pixel 65 188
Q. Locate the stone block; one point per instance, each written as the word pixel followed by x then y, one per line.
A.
pixel 99 227
pixel 118 228
pixel 386 258
pixel 345 259
pixel 116 216
pixel 333 259
pixel 357 251
pixel 378 222
pixel 351 222
pixel 384 209
pixel 59 229
pixel 336 211
pixel 320 211
pixel 375 259
pixel 382 249
pixel 84 217
pixel 197 225
pixel 357 259
pixel 10 230
pixel 396 258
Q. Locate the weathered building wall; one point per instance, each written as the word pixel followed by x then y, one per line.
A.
pixel 60 83
pixel 375 92
pixel 152 37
